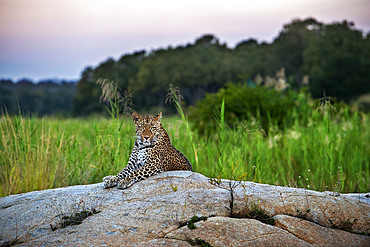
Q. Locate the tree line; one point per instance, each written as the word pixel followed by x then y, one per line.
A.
pixel 334 58
pixel 326 58
pixel 47 97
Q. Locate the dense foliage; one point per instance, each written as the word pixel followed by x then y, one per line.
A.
pixel 331 58
pixel 262 105
pixel 338 61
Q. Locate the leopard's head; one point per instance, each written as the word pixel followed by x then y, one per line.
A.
pixel 148 128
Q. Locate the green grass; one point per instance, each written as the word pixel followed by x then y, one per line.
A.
pixel 325 154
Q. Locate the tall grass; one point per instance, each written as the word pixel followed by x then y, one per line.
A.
pixel 174 96
pixel 36 154
pixel 46 153
pixel 327 153
pixel 308 157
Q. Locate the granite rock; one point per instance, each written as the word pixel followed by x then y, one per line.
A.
pixel 155 210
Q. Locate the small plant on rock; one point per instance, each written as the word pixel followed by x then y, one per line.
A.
pixel 344 225
pixel 301 214
pixel 75 215
pixel 195 219
pixel 75 219
pixel 254 211
pixel 199 242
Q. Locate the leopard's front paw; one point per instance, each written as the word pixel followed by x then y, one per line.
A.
pixel 110 181
pixel 125 183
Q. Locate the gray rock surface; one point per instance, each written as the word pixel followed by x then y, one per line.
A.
pixel 153 212
pixel 225 231
pixel 319 235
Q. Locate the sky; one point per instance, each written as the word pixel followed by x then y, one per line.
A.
pixel 58 39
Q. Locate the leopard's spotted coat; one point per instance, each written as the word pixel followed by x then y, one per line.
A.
pixel 153 153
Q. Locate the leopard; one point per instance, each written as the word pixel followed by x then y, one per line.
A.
pixel 152 154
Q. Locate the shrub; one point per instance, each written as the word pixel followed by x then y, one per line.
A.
pixel 259 105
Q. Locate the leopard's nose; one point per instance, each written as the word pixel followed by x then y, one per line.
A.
pixel 146 138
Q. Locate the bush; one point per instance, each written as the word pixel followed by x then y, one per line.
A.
pixel 259 105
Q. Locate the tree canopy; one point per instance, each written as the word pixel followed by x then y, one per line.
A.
pixel 332 58
pixel 335 57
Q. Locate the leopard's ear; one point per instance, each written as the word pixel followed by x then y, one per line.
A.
pixel 136 117
pixel 158 117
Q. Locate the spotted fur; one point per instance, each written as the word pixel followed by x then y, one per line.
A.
pixel 153 153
